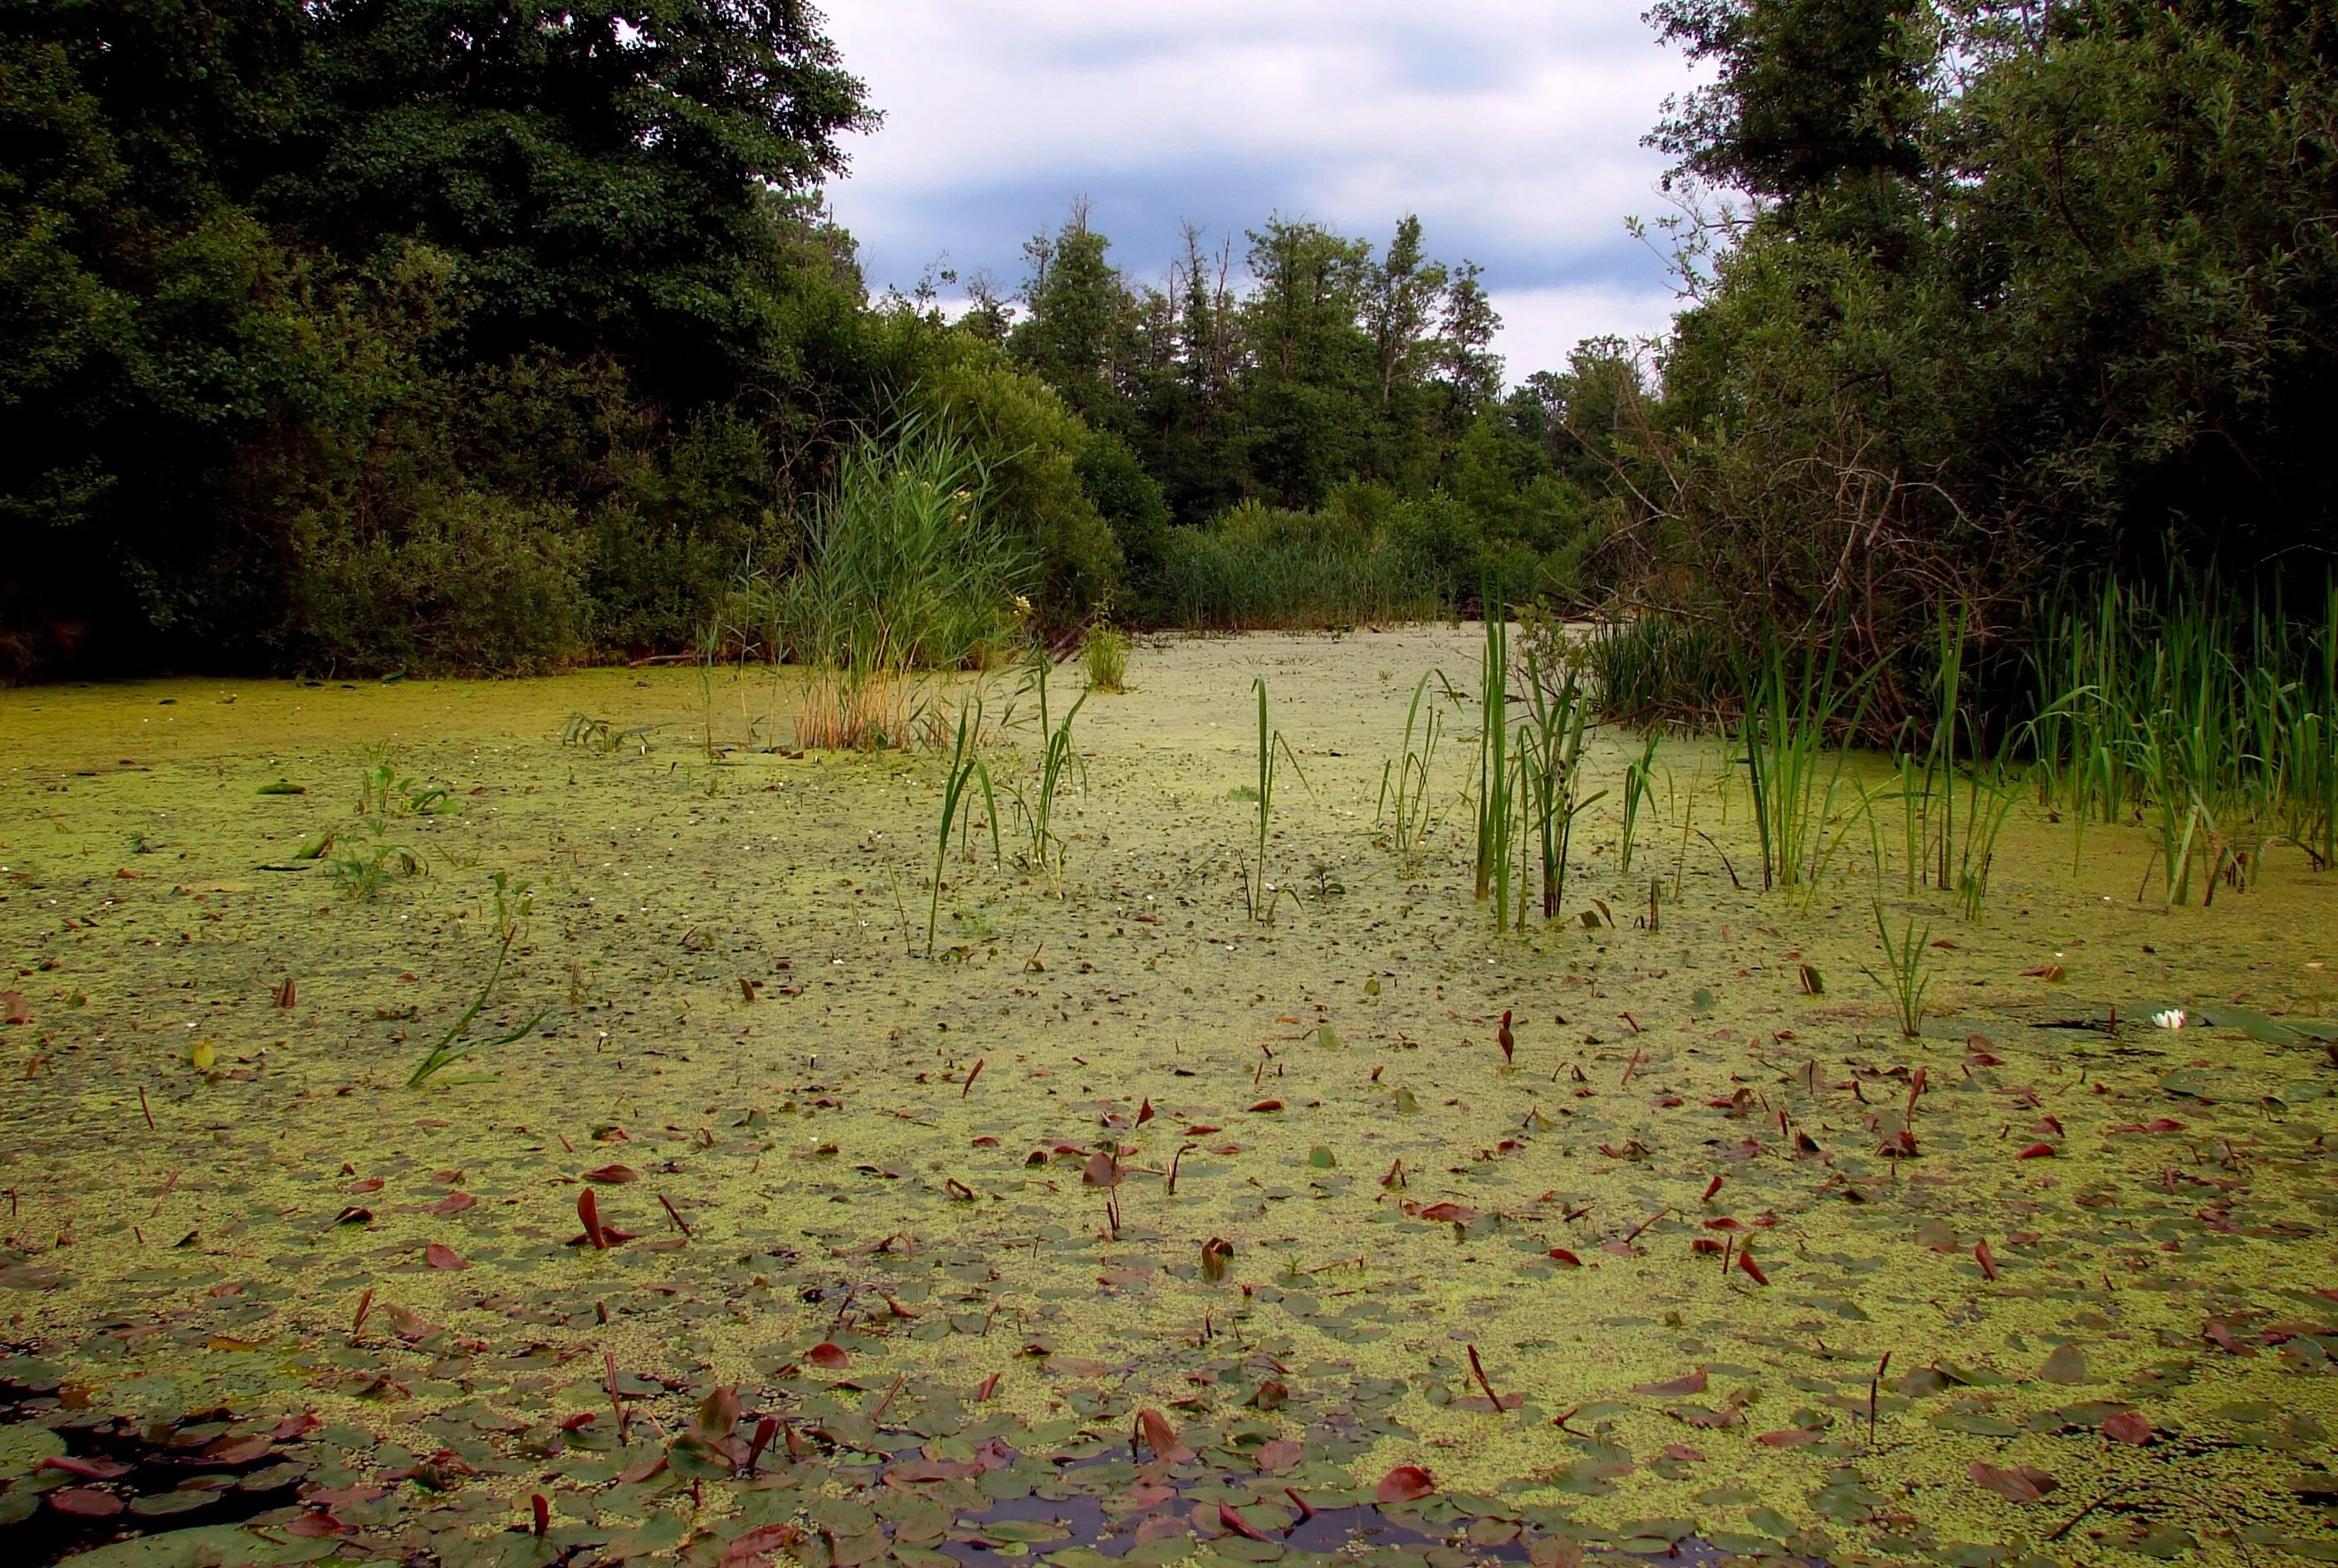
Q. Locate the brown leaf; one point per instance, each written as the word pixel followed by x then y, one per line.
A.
pixel 1162 1437
pixel 2127 1427
pixel 1280 1454
pixel 1235 1524
pixel 613 1175
pixel 86 1502
pixel 1988 1260
pixel 717 1415
pixel 1561 1255
pixel 85 1469
pixel 453 1203
pixel 1791 1438
pixel 1692 1384
pixel 440 1256
pixel 239 1450
pixel 827 1357
pixel 2022 1483
pixel 1449 1213
pixel 2036 1152
pixel 1101 1171
pixel 1265 1106
pixel 1405 1483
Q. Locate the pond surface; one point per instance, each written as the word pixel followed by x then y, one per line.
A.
pixel 896 1266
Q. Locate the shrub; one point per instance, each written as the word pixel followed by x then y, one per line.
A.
pixel 1258 567
pixel 466 582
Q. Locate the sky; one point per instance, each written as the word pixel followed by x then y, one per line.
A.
pixel 1512 127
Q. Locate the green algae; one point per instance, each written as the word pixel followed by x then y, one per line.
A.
pixel 739 1017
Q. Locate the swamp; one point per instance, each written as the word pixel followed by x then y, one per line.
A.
pixel 531 1122
pixel 1056 785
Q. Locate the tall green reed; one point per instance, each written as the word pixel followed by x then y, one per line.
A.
pixel 1550 769
pixel 1498 793
pixel 1260 896
pixel 1407 807
pixel 1803 799
pixel 1059 764
pixel 967 769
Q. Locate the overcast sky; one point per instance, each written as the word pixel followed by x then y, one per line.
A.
pixel 1512 127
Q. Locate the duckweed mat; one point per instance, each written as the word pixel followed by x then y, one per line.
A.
pixel 738 1229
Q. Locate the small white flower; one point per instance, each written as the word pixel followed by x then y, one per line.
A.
pixel 2171 1019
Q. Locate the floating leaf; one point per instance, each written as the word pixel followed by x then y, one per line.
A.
pixel 2065 1364
pixel 2021 1484
pixel 827 1357
pixel 1404 1483
pixel 1162 1437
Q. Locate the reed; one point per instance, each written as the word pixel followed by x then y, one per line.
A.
pixel 1639 783
pixel 1907 977
pixel 1259 896
pixel 1059 764
pixel 1407 808
pixel 1550 768
pixel 1497 794
pixel 1803 799
pixel 966 769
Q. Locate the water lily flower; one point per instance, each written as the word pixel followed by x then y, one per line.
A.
pixel 2171 1019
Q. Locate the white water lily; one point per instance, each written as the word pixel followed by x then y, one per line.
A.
pixel 2171 1019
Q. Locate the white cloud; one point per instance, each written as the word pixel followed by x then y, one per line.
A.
pixel 1541 326
pixel 1512 127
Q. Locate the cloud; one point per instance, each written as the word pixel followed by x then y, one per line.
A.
pixel 1512 127
pixel 1541 326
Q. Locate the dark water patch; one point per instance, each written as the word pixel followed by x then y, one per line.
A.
pixel 98 1479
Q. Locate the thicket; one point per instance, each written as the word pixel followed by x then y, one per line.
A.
pixel 368 334
pixel 2026 299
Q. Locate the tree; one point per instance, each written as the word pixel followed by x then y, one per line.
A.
pixel 1809 91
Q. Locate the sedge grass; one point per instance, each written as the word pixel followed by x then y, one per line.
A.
pixel 1907 977
pixel 967 769
pixel 1802 803
pixel 1550 769
pixel 1059 764
pixel 1407 806
pixel 1260 896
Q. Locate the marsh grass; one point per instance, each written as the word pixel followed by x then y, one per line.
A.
pixel 514 907
pixel 1260 896
pixel 1803 799
pixel 902 569
pixel 1408 806
pixel 1949 844
pixel 1907 977
pixel 1059 765
pixel 1103 653
pixel 967 768
pixel 1656 669
pixel 2209 723
pixel 1550 768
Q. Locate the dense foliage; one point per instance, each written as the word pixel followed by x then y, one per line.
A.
pixel 369 333
pixel 1322 376
pixel 2029 295
pixel 365 334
